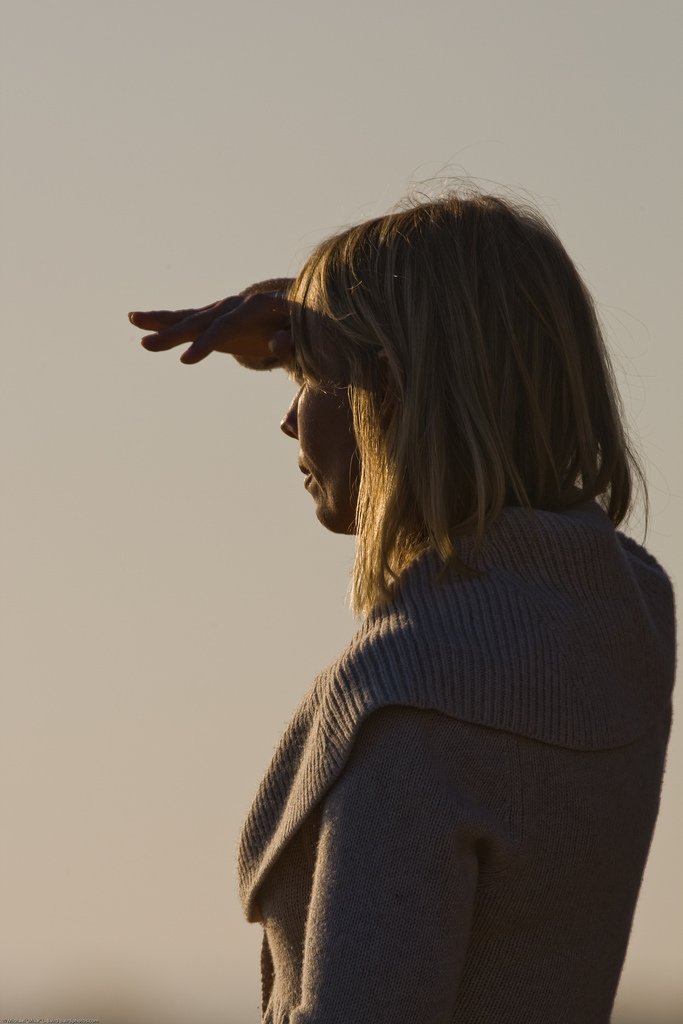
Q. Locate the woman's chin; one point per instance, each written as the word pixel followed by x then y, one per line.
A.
pixel 333 519
pixel 334 516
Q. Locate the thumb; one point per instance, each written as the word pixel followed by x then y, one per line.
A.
pixel 282 346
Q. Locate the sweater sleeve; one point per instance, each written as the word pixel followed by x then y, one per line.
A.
pixel 398 859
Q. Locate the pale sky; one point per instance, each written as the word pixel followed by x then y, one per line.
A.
pixel 167 592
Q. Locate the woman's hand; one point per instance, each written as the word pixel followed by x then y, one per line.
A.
pixel 253 327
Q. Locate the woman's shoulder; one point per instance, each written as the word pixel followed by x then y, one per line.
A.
pixel 566 635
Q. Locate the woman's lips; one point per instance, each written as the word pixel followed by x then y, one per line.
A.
pixel 306 471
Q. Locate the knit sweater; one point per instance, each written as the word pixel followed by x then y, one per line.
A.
pixel 455 824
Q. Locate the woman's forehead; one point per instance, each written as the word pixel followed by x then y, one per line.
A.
pixel 319 346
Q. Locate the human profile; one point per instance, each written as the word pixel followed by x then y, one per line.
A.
pixel 455 824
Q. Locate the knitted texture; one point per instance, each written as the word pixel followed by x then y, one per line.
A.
pixel 544 683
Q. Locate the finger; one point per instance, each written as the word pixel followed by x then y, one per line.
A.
pixel 244 331
pixel 161 319
pixel 221 334
pixel 176 333
pixel 158 320
pixel 189 327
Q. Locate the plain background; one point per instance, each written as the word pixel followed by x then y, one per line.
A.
pixel 167 591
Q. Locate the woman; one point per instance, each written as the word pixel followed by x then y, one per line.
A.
pixel 455 824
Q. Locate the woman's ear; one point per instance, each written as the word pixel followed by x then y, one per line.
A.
pixel 391 395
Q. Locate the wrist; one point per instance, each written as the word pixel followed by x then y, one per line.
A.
pixel 273 284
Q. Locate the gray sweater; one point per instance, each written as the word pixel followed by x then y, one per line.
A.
pixel 455 824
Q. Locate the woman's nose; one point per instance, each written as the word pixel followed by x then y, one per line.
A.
pixel 289 423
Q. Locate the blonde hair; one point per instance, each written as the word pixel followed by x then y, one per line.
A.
pixel 503 388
